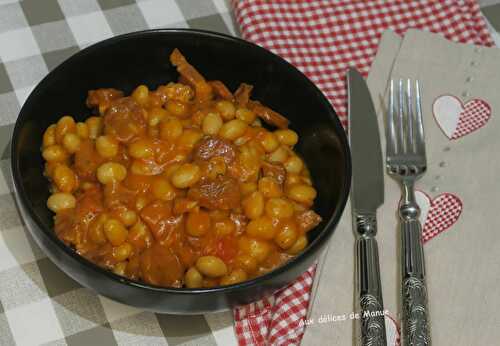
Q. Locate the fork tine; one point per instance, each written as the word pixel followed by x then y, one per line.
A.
pixel 420 135
pixel 392 143
pixel 401 131
pixel 410 141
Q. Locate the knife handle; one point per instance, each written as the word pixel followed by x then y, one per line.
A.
pixel 415 316
pixel 371 325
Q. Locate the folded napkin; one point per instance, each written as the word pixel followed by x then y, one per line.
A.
pixel 458 195
pixel 322 39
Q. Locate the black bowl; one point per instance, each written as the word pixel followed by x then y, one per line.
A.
pixel 126 61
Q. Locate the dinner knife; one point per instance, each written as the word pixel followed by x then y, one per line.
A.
pixel 367 194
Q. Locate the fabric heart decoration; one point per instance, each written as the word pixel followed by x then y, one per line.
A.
pixel 457 119
pixel 392 331
pixel 437 214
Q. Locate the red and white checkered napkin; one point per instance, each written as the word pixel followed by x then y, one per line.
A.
pixel 323 39
pixel 277 320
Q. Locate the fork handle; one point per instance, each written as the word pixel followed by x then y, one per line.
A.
pixel 415 316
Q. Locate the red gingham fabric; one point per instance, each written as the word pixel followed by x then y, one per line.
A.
pixel 276 320
pixel 323 39
pixel 476 113
pixel 251 322
pixel 444 210
pixel 289 311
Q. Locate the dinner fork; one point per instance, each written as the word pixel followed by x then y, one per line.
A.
pixel 406 162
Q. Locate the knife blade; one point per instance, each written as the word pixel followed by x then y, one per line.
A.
pixel 367 194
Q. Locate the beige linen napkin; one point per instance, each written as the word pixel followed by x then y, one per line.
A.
pixel 461 84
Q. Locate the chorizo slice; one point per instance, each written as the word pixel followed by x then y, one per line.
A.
pixel 125 120
pixel 191 75
pixel 268 115
pixel 221 89
pixel 242 94
pixel 274 170
pixel 159 265
pixel 211 146
pixel 220 193
pixel 102 98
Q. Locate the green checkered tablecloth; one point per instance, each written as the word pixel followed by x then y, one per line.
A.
pixel 38 303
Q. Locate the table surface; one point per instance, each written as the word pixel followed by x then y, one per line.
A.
pixel 35 36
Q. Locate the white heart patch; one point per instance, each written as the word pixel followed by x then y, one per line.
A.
pixel 457 119
pixel 437 214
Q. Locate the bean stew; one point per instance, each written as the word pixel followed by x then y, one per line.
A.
pixel 182 186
